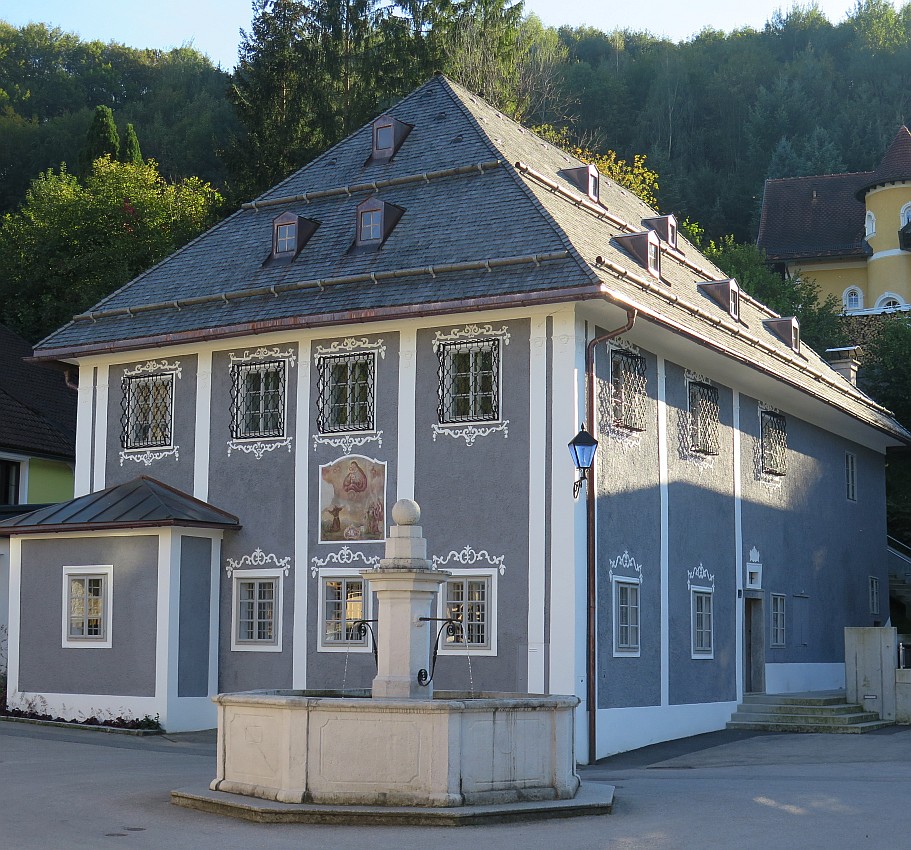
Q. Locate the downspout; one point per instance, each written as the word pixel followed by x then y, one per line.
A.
pixel 592 689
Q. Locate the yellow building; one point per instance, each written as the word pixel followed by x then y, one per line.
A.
pixel 851 232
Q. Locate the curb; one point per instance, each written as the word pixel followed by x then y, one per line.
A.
pixel 83 726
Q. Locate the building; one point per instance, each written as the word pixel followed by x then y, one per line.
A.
pixel 408 317
pixel 849 232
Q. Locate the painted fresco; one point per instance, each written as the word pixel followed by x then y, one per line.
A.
pixel 352 500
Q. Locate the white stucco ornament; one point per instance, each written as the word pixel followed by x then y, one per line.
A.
pixel 406 512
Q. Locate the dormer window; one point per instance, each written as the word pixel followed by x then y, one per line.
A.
pixel 587 179
pixel 290 233
pixel 726 293
pixel 375 221
pixel 388 135
pixel 645 247
pixel 787 330
pixel 665 226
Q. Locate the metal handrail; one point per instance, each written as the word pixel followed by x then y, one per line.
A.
pixel 900 548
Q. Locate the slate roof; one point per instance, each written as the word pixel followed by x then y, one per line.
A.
pixel 895 165
pixel 140 503
pixel 37 409
pixel 489 220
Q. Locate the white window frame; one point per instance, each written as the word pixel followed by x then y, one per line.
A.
pixel 851 476
pixel 135 381
pixel 240 576
pixel 904 215
pixel 702 654
pixel 363 645
pixel 261 368
pixel 448 348
pixel 873 593
pixel 869 225
pixel 702 450
pixel 626 651
pixel 779 620
pixel 324 378
pixel 846 296
pixel 490 576
pixel 106 572
pixel 882 301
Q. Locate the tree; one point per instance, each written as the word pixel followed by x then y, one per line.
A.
pixel 72 243
pixel 101 140
pixel 129 147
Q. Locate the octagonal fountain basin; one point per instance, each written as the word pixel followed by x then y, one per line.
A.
pixel 346 748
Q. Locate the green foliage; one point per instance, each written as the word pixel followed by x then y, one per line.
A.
pixel 821 324
pixel 129 147
pixel 101 140
pixel 71 243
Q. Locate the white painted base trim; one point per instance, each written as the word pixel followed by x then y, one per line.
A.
pixel 185 714
pixel 793 678
pixel 623 729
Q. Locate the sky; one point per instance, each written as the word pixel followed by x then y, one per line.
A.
pixel 212 26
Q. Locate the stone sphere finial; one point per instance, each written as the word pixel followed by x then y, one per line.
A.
pixel 406 512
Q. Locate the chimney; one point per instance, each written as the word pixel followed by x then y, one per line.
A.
pixel 845 362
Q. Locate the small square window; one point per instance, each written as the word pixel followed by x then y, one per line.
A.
pixel 851 476
pixel 343 599
pixel 371 226
pixel 628 398
pixel 257 611
pixel 384 137
pixel 258 400
pixel 874 595
pixel 774 443
pixel 703 626
pixel 778 619
pixel 626 618
pixel 469 381
pixel 345 392
pixel 468 603
pixel 704 416
pixel 87 606
pixel 147 411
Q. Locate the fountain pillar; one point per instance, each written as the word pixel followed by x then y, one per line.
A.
pixel 405 586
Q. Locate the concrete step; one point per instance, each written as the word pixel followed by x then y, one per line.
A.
pixel 815 711
pixel 809 698
pixel 847 729
pixel 796 708
pixel 783 718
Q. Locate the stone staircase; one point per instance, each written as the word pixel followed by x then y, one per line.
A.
pixel 817 711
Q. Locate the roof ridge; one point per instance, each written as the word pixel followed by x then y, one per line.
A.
pixel 820 176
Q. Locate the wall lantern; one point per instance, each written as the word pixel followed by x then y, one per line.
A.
pixel 582 450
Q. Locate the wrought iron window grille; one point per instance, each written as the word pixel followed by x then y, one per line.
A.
pixel 704 415
pixel 258 399
pixel 147 405
pixel 469 389
pixel 774 443
pixel 346 392
pixel 628 398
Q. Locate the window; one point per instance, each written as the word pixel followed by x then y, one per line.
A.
pixel 290 232
pixel 388 135
pixel 626 618
pixel 853 299
pixel 889 303
pixel 87 606
pixel 773 438
pixel 778 619
pixel 469 381
pixel 734 301
pixel 874 595
pixel 468 602
pixel 345 392
pixel 593 183
pixel 258 400
pixel 654 258
pixel 383 137
pixel 672 234
pixel 343 604
pixel 703 644
pixel 851 476
pixel 9 482
pixel 628 398
pixel 704 414
pixel 148 407
pixel 905 215
pixel 869 225
pixel 285 238
pixel 371 226
pixel 257 611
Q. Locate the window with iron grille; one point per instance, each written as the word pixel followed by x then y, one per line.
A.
pixel 343 606
pixel 703 631
pixel 147 409
pixel 628 398
pixel 258 399
pixel 626 617
pixel 467 602
pixel 778 619
pixel 469 381
pixel 704 415
pixel 774 443
pixel 256 603
pixel 345 392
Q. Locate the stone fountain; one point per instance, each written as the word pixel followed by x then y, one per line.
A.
pixel 402 746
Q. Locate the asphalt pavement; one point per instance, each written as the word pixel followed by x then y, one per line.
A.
pixel 75 789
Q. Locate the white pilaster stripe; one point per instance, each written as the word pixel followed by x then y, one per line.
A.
pixel 663 502
pixel 214 614
pixel 537 501
pixel 101 427
pixel 173 613
pixel 301 521
pixel 408 376
pixel 84 406
pixel 163 623
pixel 203 425
pixel 15 617
pixel 738 548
